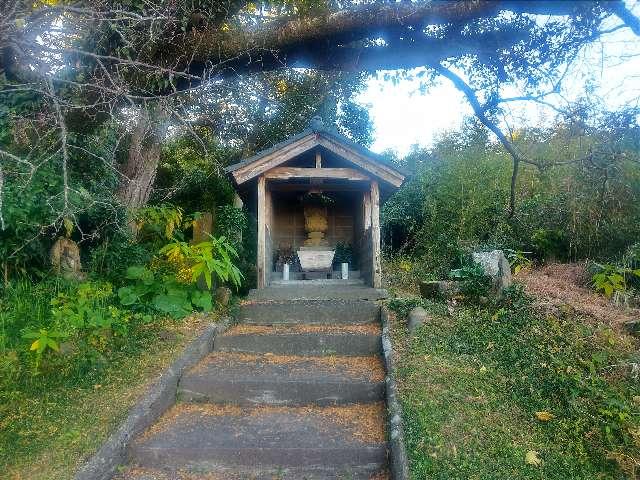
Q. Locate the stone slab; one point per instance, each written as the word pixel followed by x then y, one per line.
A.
pixel 325 291
pixel 274 380
pixel 206 440
pixel 309 312
pixel 296 343
pixel 309 473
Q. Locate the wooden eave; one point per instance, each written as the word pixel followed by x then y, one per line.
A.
pixel 272 159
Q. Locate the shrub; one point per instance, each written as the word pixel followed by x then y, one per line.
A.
pixel 164 294
pixel 612 279
pixel 474 283
pixel 158 222
pixel 109 260
pixel 211 260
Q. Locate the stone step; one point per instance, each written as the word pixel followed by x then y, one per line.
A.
pixel 250 379
pixel 317 292
pixel 351 340
pixel 206 437
pixel 360 473
pixel 321 312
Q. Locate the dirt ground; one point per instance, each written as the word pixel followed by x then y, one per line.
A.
pixel 567 284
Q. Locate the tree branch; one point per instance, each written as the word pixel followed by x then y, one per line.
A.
pixel 623 13
pixel 480 113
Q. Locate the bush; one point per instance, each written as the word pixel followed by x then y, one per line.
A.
pixel 458 198
pixel 163 294
pixel 110 260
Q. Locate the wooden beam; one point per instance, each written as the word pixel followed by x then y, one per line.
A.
pixel 325 187
pixel 318 159
pixel 375 235
pixel 286 173
pixel 382 171
pixel 274 159
pixel 261 264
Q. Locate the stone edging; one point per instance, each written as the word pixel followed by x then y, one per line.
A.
pixel 160 396
pixel 399 462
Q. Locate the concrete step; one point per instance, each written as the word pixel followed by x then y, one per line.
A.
pixel 205 438
pixel 317 292
pixel 320 312
pixel 361 473
pixel 250 379
pixel 351 340
pixel 300 276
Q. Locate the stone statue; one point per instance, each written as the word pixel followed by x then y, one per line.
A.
pixel 65 258
pixel 316 225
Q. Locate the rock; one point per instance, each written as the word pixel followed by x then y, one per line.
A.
pixel 418 316
pixel 222 296
pixel 439 289
pixel 496 266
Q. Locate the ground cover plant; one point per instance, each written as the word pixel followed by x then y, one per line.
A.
pixel 515 390
pixel 51 422
pixel 77 349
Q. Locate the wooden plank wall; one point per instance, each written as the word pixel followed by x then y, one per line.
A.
pixel 288 224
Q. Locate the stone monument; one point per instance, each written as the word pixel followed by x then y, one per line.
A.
pixel 316 255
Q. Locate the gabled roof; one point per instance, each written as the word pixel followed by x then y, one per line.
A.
pixel 317 134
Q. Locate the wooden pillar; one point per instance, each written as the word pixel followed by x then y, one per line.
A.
pixel 376 273
pixel 261 263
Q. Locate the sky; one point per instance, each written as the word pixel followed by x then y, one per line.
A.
pixel 403 115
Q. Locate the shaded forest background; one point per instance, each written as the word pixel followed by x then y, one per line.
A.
pixel 117 119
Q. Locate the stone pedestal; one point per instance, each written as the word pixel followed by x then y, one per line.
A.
pixel 316 259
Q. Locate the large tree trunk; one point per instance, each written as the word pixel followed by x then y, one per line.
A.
pixel 139 172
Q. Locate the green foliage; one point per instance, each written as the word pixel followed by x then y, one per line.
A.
pixel 158 222
pixel 518 260
pixel 150 292
pixel 477 377
pixel 193 175
pixel 110 259
pixel 212 260
pixel 549 244
pixel 343 254
pixel 43 340
pixel 403 305
pixel 473 281
pixel 456 201
pixel 23 215
pixel 610 279
pixel 231 223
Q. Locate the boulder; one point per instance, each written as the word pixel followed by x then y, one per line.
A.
pixel 496 266
pixel 418 316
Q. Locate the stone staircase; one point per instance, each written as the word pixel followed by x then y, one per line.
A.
pixel 294 391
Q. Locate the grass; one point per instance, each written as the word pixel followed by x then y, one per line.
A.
pixel 472 380
pixel 51 422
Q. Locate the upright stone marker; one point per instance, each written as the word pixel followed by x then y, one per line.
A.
pixel 497 267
